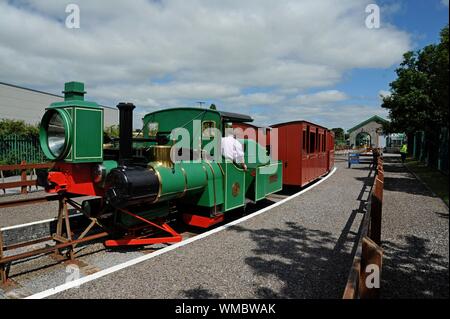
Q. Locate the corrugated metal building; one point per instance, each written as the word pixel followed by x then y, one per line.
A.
pixel 26 104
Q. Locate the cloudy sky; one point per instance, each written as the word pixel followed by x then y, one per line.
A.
pixel 276 60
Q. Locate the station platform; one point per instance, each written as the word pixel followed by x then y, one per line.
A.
pixel 300 249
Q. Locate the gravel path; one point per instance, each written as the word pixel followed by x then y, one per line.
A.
pixel 415 238
pixel 301 249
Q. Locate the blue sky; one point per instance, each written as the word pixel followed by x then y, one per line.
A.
pixel 422 19
pixel 275 60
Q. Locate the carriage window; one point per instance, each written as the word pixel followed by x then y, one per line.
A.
pixel 317 140
pixel 304 142
pixel 208 129
pixel 312 142
pixel 319 146
pixel 324 143
pixel 307 132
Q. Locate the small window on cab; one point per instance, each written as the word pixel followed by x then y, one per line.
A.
pixel 208 129
pixel 152 128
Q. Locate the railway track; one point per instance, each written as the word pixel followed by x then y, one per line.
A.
pixel 28 201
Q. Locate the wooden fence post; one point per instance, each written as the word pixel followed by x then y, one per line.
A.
pixel 2 180
pixel 3 274
pixel 372 255
pixel 23 178
pixel 352 288
pixel 376 212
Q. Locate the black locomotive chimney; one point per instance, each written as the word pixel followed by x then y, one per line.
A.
pixel 126 131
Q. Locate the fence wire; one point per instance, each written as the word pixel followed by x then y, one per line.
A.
pixel 16 148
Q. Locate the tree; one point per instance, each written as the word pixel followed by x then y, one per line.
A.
pixel 419 95
pixel 339 134
pixel 8 126
pixel 419 99
pixel 112 131
pixel 9 152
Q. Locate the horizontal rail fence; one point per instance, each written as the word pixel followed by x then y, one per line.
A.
pixel 27 174
pixel 363 156
pixel 66 233
pixel 15 148
pixel 369 254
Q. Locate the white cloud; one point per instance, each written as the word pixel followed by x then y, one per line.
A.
pixel 331 115
pixel 383 93
pixel 389 9
pixel 163 53
pixel 254 99
pixel 445 3
pixel 320 98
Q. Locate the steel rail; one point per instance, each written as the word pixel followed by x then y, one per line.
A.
pixel 28 201
pixel 36 200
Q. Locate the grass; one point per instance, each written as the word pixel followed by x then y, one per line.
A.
pixel 433 178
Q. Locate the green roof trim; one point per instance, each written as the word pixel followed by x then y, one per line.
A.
pixel 374 118
pixel 75 103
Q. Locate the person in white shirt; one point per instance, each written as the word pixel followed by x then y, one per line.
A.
pixel 232 149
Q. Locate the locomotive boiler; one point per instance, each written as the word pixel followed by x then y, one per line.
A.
pixel 172 170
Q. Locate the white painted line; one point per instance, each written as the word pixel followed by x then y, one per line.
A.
pixel 83 280
pixel 36 223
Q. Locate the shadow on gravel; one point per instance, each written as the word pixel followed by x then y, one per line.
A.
pixel 361 167
pixel 410 270
pixel 363 198
pixel 367 180
pixel 392 159
pixel 200 293
pixel 405 182
pixel 442 215
pixel 310 263
pixel 290 190
pixel 303 259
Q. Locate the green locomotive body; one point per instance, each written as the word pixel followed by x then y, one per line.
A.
pixel 175 167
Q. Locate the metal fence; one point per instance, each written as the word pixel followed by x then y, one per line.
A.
pixel 16 148
pixel 443 150
pixel 435 154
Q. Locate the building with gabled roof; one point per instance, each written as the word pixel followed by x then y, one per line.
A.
pixel 368 132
